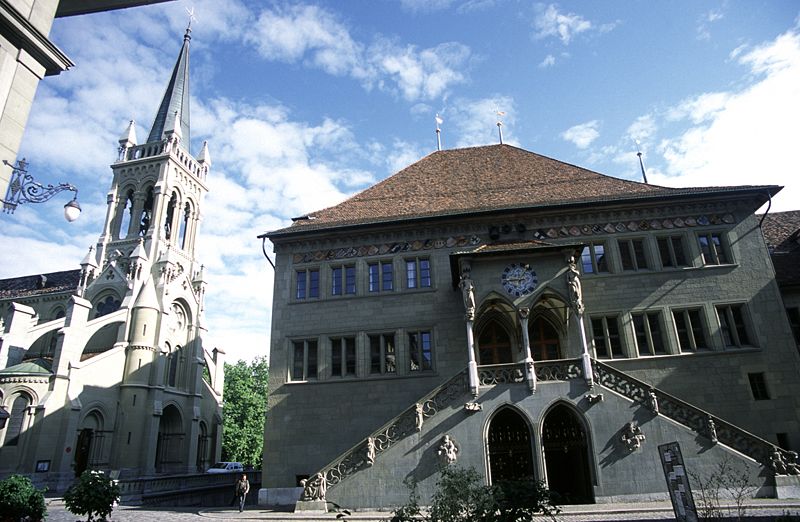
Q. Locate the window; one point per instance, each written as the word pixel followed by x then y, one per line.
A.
pixel 732 326
pixel 343 356
pixel 304 361
pixel 418 273
pixel 689 327
pixel 794 321
pixel 307 285
pixel 593 258
pixel 607 342
pixel 758 385
pixel 647 330
pixel 16 419
pixel 420 351
pixel 382 354
pixel 343 280
pixel 172 367
pixel 381 277
pixel 711 249
pixel 672 252
pixel 631 252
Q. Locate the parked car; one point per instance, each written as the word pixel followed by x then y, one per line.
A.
pixel 226 467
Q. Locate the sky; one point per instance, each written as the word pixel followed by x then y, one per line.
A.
pixel 306 103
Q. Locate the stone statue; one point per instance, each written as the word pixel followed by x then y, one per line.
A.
pixel 574 286
pixel 468 293
pixel 792 467
pixel 777 463
pixel 314 488
pixel 712 430
pixel 448 450
pixel 370 451
pixel 420 416
pixel 632 436
pixel 652 401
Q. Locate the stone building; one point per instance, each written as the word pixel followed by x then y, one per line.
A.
pixel 104 367
pixel 493 308
pixel 782 232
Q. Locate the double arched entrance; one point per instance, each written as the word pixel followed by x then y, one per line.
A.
pixel 495 341
pixel 564 445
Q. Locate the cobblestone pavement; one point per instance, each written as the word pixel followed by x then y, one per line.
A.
pixel 761 510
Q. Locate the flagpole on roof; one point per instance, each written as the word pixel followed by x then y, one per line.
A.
pixel 439 121
pixel 500 115
pixel 641 162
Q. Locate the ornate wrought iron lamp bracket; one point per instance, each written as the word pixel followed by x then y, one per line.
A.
pixel 23 188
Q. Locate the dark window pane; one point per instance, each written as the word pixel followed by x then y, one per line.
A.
pixel 758 385
pixel 411 274
pixel 336 281
pixel 313 287
pixel 374 354
pixel 386 268
pixel 586 260
pixel 638 252
pixel 301 284
pixel 424 273
pixel 613 336
pixel 664 253
pixel 350 356
pixel 641 334
pixel 600 256
pixel 599 338
pixel 350 280
pixel 389 350
pixel 625 255
pixel 312 360
pixel 336 357
pixel 655 333
pixel 697 329
pixel 374 278
pixel 297 366
pixel 677 248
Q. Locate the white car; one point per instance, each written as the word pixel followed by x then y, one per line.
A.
pixel 226 467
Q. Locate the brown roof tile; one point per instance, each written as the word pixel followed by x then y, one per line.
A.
pixel 782 233
pixel 33 285
pixel 479 179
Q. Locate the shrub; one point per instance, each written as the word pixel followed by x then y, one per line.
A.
pixel 19 498
pixel 93 495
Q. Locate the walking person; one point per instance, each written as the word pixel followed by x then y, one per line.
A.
pixel 242 488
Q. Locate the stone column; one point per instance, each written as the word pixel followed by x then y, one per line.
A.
pixel 576 303
pixel 530 371
pixel 468 293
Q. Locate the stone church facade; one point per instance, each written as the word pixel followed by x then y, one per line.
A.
pixel 104 367
pixel 493 308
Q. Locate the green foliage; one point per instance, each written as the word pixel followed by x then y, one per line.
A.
pixel 19 498
pixel 461 496
pixel 245 397
pixel 93 495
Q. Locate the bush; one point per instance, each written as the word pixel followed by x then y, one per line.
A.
pixel 93 495
pixel 460 496
pixel 19 498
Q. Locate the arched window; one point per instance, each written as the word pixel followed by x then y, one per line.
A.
pixel 106 306
pixel 126 216
pixel 172 370
pixel 169 222
pixel 187 212
pixel 147 213
pixel 494 344
pixel 545 344
pixel 16 420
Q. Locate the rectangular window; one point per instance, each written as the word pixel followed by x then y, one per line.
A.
pixel 307 283
pixel 732 326
pixel 593 258
pixel 689 327
pixel 418 273
pixel 607 342
pixel 381 276
pixel 794 321
pixel 304 361
pixel 343 356
pixel 672 252
pixel 647 330
pixel 343 280
pixel 631 252
pixel 382 354
pixel 712 249
pixel 758 385
pixel 420 351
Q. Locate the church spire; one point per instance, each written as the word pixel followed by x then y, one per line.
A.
pixel 176 98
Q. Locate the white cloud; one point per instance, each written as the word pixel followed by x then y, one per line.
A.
pixel 704 25
pixel 473 122
pixel 582 135
pixel 549 22
pixel 548 61
pixel 743 137
pixel 642 128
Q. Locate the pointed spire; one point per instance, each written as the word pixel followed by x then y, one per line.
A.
pixel 147 297
pixel 205 157
pixel 90 260
pixel 176 98
pixel 128 137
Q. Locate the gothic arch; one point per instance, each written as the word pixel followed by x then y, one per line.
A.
pixel 105 303
pixel 19 401
pixel 567 451
pixel 171 438
pixel 496 311
pixel 102 340
pixel 124 213
pixel 90 441
pixel 509 444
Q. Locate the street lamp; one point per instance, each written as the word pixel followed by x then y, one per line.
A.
pixel 22 188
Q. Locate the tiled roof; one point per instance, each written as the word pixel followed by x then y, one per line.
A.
pixel 782 233
pixel 480 179
pixel 32 367
pixel 33 285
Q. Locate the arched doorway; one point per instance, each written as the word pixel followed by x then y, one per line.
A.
pixel 494 344
pixel 566 456
pixel 90 438
pixel 509 447
pixel 170 442
pixel 545 343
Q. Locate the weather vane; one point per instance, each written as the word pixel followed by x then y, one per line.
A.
pixel 500 115
pixel 439 121
pixel 192 18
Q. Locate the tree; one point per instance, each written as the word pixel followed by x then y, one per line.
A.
pixel 19 499
pixel 245 405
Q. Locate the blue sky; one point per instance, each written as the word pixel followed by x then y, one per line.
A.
pixel 306 103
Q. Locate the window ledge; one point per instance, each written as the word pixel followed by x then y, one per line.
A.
pixel 371 377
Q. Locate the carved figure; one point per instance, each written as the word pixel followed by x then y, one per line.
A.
pixel 792 467
pixel 420 416
pixel 314 488
pixel 472 407
pixel 652 401
pixel 448 450
pixel 712 430
pixel 574 286
pixel 468 293
pixel 632 436
pixel 594 398
pixel 777 463
pixel 370 451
